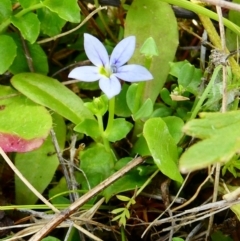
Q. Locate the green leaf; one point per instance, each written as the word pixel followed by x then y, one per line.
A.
pixel 89 127
pixel 28 3
pixel 190 78
pixel 28 25
pixel 49 238
pixel 165 96
pixel 60 187
pixel 186 75
pixel 8 52
pixel 145 110
pixel 46 16
pixel 117 210
pixel 23 124
pixel 152 18
pixel 162 147
pixel 39 166
pixel 214 128
pixel 121 107
pixel 162 111
pixel 38 56
pixel 123 198
pixel 208 152
pixel 175 125
pixel 149 48
pixel 218 235
pixel 130 97
pixel 212 124
pixel 66 9
pixel 177 239
pixel 52 94
pixel 129 181
pixel 140 147
pixel 175 67
pixel 5 10
pixel 119 130
pixel 97 164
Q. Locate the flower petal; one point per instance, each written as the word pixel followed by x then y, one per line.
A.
pixel 95 51
pixel 133 73
pixel 85 73
pixel 123 51
pixel 110 86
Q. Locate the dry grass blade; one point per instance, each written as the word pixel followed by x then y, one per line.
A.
pixel 74 206
pixel 25 181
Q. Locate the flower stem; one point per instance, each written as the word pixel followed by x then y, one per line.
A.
pixel 104 139
pixel 111 107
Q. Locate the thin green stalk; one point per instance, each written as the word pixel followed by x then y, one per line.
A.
pixel 104 139
pixel 205 93
pixel 141 87
pixel 111 108
pixel 203 11
pixel 123 236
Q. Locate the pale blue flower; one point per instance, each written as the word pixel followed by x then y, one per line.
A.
pixel 109 71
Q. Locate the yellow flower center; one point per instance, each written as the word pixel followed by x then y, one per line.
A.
pixel 106 71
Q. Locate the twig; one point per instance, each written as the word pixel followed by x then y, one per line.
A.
pixel 214 207
pixel 74 29
pixel 27 55
pixel 194 196
pixel 194 231
pixel 62 163
pixel 224 109
pixel 223 4
pixel 74 206
pixel 26 182
pixel 173 201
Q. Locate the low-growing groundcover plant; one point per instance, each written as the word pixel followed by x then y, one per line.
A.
pixel 105 116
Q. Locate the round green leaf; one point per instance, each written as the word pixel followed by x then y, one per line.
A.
pixel 89 127
pixel 24 125
pixel 66 9
pixel 7 52
pixel 5 9
pixel 28 25
pixel 46 16
pixel 120 129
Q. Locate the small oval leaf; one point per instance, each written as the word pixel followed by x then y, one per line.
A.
pixel 162 147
